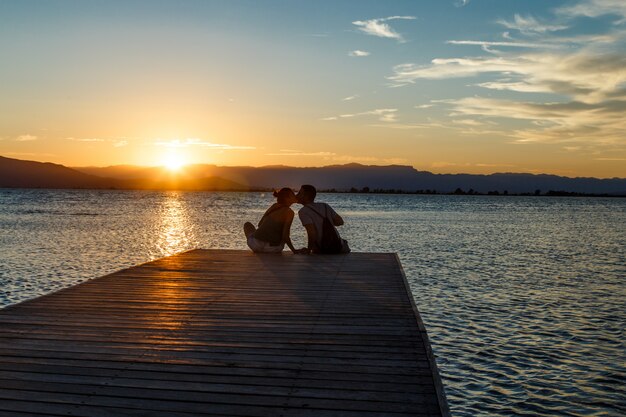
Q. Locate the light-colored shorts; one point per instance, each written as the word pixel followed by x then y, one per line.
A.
pixel 260 246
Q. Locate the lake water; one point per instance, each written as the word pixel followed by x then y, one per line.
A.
pixel 524 298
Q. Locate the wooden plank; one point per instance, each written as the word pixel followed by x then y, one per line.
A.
pixel 185 371
pixel 181 390
pixel 199 402
pixel 211 332
pixel 124 376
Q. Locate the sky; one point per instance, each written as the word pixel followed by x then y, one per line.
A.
pixel 447 86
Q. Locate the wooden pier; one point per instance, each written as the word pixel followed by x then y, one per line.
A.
pixel 224 333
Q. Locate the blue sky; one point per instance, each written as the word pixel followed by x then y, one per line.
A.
pixel 446 86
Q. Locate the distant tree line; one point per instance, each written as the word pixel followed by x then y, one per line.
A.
pixel 471 191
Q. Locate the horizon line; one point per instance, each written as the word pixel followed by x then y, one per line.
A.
pixel 182 168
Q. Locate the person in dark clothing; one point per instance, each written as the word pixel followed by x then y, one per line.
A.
pixel 312 216
pixel 273 229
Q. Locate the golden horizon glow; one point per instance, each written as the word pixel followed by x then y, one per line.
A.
pixel 174 162
pixel 522 87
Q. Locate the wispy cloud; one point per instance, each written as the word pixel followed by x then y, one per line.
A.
pixel 585 76
pixel 25 138
pixel 408 126
pixel 28 154
pixel 358 53
pixel 115 142
pixel 500 43
pixel 461 3
pixel 349 98
pixel 599 123
pixel 334 157
pixel 367 159
pixel 378 27
pixel 87 139
pixel 384 115
pixel 595 8
pixel 530 25
pixel 291 152
pixel 468 122
pixel 183 143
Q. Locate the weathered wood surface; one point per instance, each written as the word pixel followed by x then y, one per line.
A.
pixel 216 332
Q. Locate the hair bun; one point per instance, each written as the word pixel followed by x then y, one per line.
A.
pixel 275 193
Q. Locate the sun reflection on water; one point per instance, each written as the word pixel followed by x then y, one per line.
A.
pixel 175 231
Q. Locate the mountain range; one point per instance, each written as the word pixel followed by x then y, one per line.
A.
pixel 30 174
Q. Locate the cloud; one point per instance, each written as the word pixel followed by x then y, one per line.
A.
pixel 358 53
pixel 38 154
pixel 595 8
pixel 530 25
pixel 513 86
pixel 408 126
pixel 289 152
pixel 25 138
pixel 117 142
pixel 468 122
pixel 178 143
pixel 585 76
pixel 510 44
pixel 349 98
pixel 385 115
pixel 87 139
pixel 378 27
pixel 461 3
pixel 332 156
pixel 365 159
pixel 600 123
pixel 561 87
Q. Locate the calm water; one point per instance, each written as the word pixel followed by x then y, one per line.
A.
pixel 524 298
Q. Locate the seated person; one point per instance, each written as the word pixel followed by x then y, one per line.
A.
pixel 274 227
pixel 312 216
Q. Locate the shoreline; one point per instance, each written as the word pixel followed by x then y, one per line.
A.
pixel 495 193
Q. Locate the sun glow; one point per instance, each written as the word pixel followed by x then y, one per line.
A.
pixel 173 162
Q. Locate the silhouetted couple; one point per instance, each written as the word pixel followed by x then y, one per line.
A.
pixel 319 220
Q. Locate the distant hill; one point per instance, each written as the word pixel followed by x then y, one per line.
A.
pixel 29 174
pixel 15 173
pixel 397 177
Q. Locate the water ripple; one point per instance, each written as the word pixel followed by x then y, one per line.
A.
pixel 523 298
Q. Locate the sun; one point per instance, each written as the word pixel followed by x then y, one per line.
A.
pixel 173 162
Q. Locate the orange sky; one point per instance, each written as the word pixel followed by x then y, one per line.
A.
pixel 442 86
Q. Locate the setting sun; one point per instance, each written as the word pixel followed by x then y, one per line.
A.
pixel 173 162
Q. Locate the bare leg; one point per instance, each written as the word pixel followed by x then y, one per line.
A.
pixel 248 229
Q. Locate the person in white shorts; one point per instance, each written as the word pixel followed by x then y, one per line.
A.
pixel 274 228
